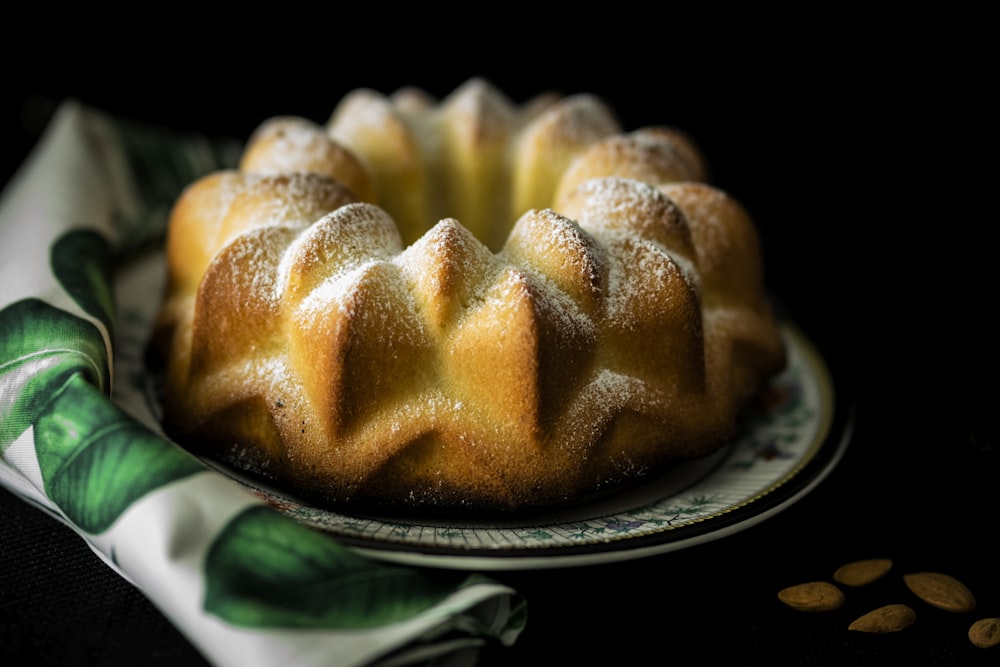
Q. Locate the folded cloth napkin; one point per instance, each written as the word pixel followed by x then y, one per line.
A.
pixel 245 583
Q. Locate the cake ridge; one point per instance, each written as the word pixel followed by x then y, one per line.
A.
pixel 341 341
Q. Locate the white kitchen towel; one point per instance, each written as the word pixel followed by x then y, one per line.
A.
pixel 246 584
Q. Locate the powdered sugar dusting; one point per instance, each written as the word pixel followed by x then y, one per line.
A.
pixel 618 202
pixel 338 242
pixel 361 112
pixel 332 293
pixel 287 144
pixel 555 318
pixel 577 120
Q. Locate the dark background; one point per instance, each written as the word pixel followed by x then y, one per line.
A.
pixel 859 145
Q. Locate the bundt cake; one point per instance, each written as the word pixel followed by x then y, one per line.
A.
pixel 465 303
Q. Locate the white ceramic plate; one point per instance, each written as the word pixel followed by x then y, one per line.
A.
pixel 787 446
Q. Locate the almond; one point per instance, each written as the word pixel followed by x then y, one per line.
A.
pixel 862 572
pixel 985 633
pixel 812 596
pixel 941 591
pixel 890 618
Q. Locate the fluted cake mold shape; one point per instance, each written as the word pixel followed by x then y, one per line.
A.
pixel 461 304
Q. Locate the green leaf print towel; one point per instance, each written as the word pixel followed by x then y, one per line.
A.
pixel 245 583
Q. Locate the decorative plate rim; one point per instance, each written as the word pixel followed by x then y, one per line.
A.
pixel 783 453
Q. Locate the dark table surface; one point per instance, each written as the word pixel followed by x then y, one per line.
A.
pixel 864 244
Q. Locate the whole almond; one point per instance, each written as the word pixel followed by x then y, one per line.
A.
pixel 812 596
pixel 890 618
pixel 985 633
pixel 862 572
pixel 941 590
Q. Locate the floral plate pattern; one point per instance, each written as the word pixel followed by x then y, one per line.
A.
pixel 788 443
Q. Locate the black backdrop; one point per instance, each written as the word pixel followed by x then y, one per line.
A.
pixel 855 142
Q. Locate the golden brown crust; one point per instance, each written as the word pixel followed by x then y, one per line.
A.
pixel 287 144
pixel 312 335
pixel 651 155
